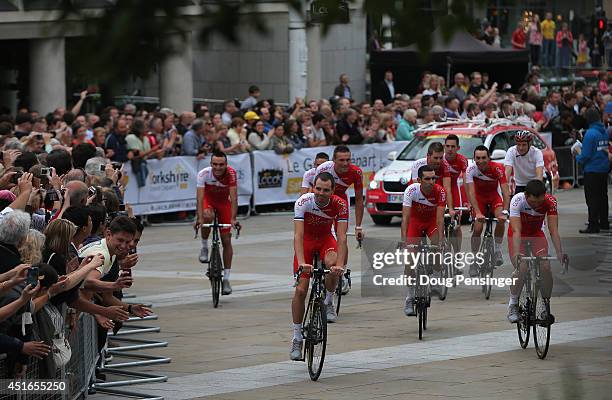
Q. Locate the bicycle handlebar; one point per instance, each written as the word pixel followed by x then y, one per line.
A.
pixel 564 260
pixel 298 274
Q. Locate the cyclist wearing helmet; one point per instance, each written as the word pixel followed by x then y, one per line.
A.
pixel 524 161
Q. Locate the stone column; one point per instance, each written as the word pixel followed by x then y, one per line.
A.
pixel 176 76
pixel 47 74
pixel 313 40
pixel 298 56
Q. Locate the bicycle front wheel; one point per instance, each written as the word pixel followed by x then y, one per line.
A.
pixel 522 325
pixel 316 340
pixel 487 269
pixel 215 274
pixel 420 311
pixel 541 324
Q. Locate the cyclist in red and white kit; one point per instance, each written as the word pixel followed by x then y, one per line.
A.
pixel 308 179
pixel 346 174
pixel 527 212
pixel 217 191
pixel 315 213
pixel 423 210
pixel 457 165
pixel 482 181
pixel 435 159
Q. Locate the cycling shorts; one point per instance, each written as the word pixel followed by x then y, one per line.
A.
pixel 321 246
pixel 416 228
pixel 538 243
pixel 224 212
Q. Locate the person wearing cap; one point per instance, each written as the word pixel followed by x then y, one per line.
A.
pixel 251 117
pixel 593 155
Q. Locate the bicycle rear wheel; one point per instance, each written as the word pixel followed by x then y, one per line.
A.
pixel 420 311
pixel 522 325
pixel 541 323
pixel 316 341
pixel 215 274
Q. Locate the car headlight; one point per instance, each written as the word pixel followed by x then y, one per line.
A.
pixel 374 184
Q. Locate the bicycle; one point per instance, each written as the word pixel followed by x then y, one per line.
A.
pixel 487 248
pixel 449 270
pixel 347 276
pixel 314 324
pixel 534 309
pixel 214 271
pixel 422 297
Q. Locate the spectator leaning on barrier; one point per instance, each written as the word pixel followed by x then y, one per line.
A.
pixel 194 140
pixel 259 139
pixel 294 135
pixel 279 142
pixel 593 155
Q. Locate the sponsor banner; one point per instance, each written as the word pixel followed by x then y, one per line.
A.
pixel 278 178
pixel 171 184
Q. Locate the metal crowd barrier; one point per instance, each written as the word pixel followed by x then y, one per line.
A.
pixel 77 373
pixel 569 169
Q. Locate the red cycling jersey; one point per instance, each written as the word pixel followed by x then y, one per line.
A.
pixel 216 190
pixel 318 220
pixel 441 172
pixel 423 209
pixel 486 183
pixel 456 167
pixel 343 181
pixel 532 219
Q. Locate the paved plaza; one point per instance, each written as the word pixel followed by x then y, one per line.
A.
pixel 240 350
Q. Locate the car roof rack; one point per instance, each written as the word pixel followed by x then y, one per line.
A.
pixel 470 125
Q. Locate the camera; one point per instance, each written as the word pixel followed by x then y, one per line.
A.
pixel 102 168
pixel 116 165
pixel 32 277
pixel 16 177
pixel 38 136
pixel 121 207
pixel 128 273
pixel 92 191
pixel 45 171
pixel 51 196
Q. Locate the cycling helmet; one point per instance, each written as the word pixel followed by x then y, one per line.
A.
pixel 522 136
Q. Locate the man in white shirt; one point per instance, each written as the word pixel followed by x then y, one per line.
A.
pixel 524 161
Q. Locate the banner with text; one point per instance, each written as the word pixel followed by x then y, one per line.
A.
pixel 278 178
pixel 171 184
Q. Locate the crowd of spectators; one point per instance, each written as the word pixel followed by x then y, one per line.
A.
pixel 67 245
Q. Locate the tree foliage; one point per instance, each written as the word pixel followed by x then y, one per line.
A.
pixel 129 37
